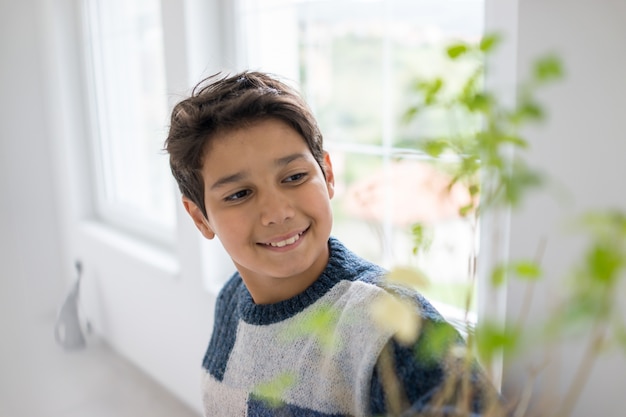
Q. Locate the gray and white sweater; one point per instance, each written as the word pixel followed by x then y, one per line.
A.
pixel 253 346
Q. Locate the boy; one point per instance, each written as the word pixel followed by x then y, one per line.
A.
pixel 247 154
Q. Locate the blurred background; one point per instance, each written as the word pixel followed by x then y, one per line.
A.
pixel 87 86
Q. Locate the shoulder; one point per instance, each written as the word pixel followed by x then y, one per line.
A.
pixel 230 288
pixel 227 298
pixel 346 265
pixel 426 310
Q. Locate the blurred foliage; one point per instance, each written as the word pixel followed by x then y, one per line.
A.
pixel 490 144
pixel 409 277
pixel 398 315
pixel 491 165
pixel 525 269
pixel 271 392
pixel 493 339
pixel 489 150
pixel 486 141
pixel 593 287
pixel 316 323
pixel 422 237
pixel 436 341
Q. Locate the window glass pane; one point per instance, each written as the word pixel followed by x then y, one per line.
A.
pixel 376 203
pixel 130 114
pixel 358 60
pixel 355 62
pixel 352 221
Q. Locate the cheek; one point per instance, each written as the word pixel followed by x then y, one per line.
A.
pixel 320 203
pixel 233 227
pixel 225 225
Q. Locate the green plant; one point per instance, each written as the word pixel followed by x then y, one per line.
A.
pixel 489 149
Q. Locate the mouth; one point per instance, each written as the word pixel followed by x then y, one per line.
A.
pixel 286 242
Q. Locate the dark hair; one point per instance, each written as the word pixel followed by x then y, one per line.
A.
pixel 221 103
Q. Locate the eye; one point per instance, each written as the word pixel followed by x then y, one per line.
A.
pixel 296 177
pixel 237 196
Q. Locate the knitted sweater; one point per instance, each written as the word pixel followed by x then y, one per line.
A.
pixel 258 345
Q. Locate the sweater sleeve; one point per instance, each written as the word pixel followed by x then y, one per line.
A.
pixel 429 382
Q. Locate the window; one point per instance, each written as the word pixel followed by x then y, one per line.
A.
pixel 354 60
pixel 133 187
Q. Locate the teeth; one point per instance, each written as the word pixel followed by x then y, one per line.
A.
pixel 286 242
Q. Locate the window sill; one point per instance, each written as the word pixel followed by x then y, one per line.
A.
pixel 147 253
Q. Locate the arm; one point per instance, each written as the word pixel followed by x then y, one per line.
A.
pixel 429 382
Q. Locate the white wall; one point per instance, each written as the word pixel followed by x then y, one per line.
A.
pixel 30 250
pixel 583 149
pixel 149 304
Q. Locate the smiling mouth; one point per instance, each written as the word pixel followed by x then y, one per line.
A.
pixel 286 242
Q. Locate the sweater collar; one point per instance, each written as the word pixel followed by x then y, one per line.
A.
pixel 335 271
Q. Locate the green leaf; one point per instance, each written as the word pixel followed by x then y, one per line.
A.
pixel 411 113
pixel 530 111
pixel 489 42
pixel 604 263
pixel 515 140
pixel 435 341
pixel 580 311
pixel 429 86
pixel 524 269
pixel 498 275
pixel 492 338
pixel 519 181
pixel 435 147
pixel 273 390
pixel 469 165
pixel 316 323
pixel 478 102
pixel 422 238
pixel 431 89
pixel 527 270
pixel 465 210
pixel 548 68
pixel 472 83
pixel 602 223
pixel 456 50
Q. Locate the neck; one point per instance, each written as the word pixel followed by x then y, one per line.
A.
pixel 271 290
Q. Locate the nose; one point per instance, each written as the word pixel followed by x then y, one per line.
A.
pixel 275 208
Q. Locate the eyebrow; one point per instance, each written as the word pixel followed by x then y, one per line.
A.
pixel 285 160
pixel 229 179
pixel 239 176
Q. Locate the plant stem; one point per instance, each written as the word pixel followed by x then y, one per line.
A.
pixel 392 387
pixel 528 293
pixel 582 374
pixel 471 270
pixel 522 406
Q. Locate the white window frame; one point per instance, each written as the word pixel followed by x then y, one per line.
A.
pixel 139 225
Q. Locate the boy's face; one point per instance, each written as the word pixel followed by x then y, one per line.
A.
pixel 269 203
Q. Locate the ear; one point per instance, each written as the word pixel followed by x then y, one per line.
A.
pixel 330 175
pixel 198 218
